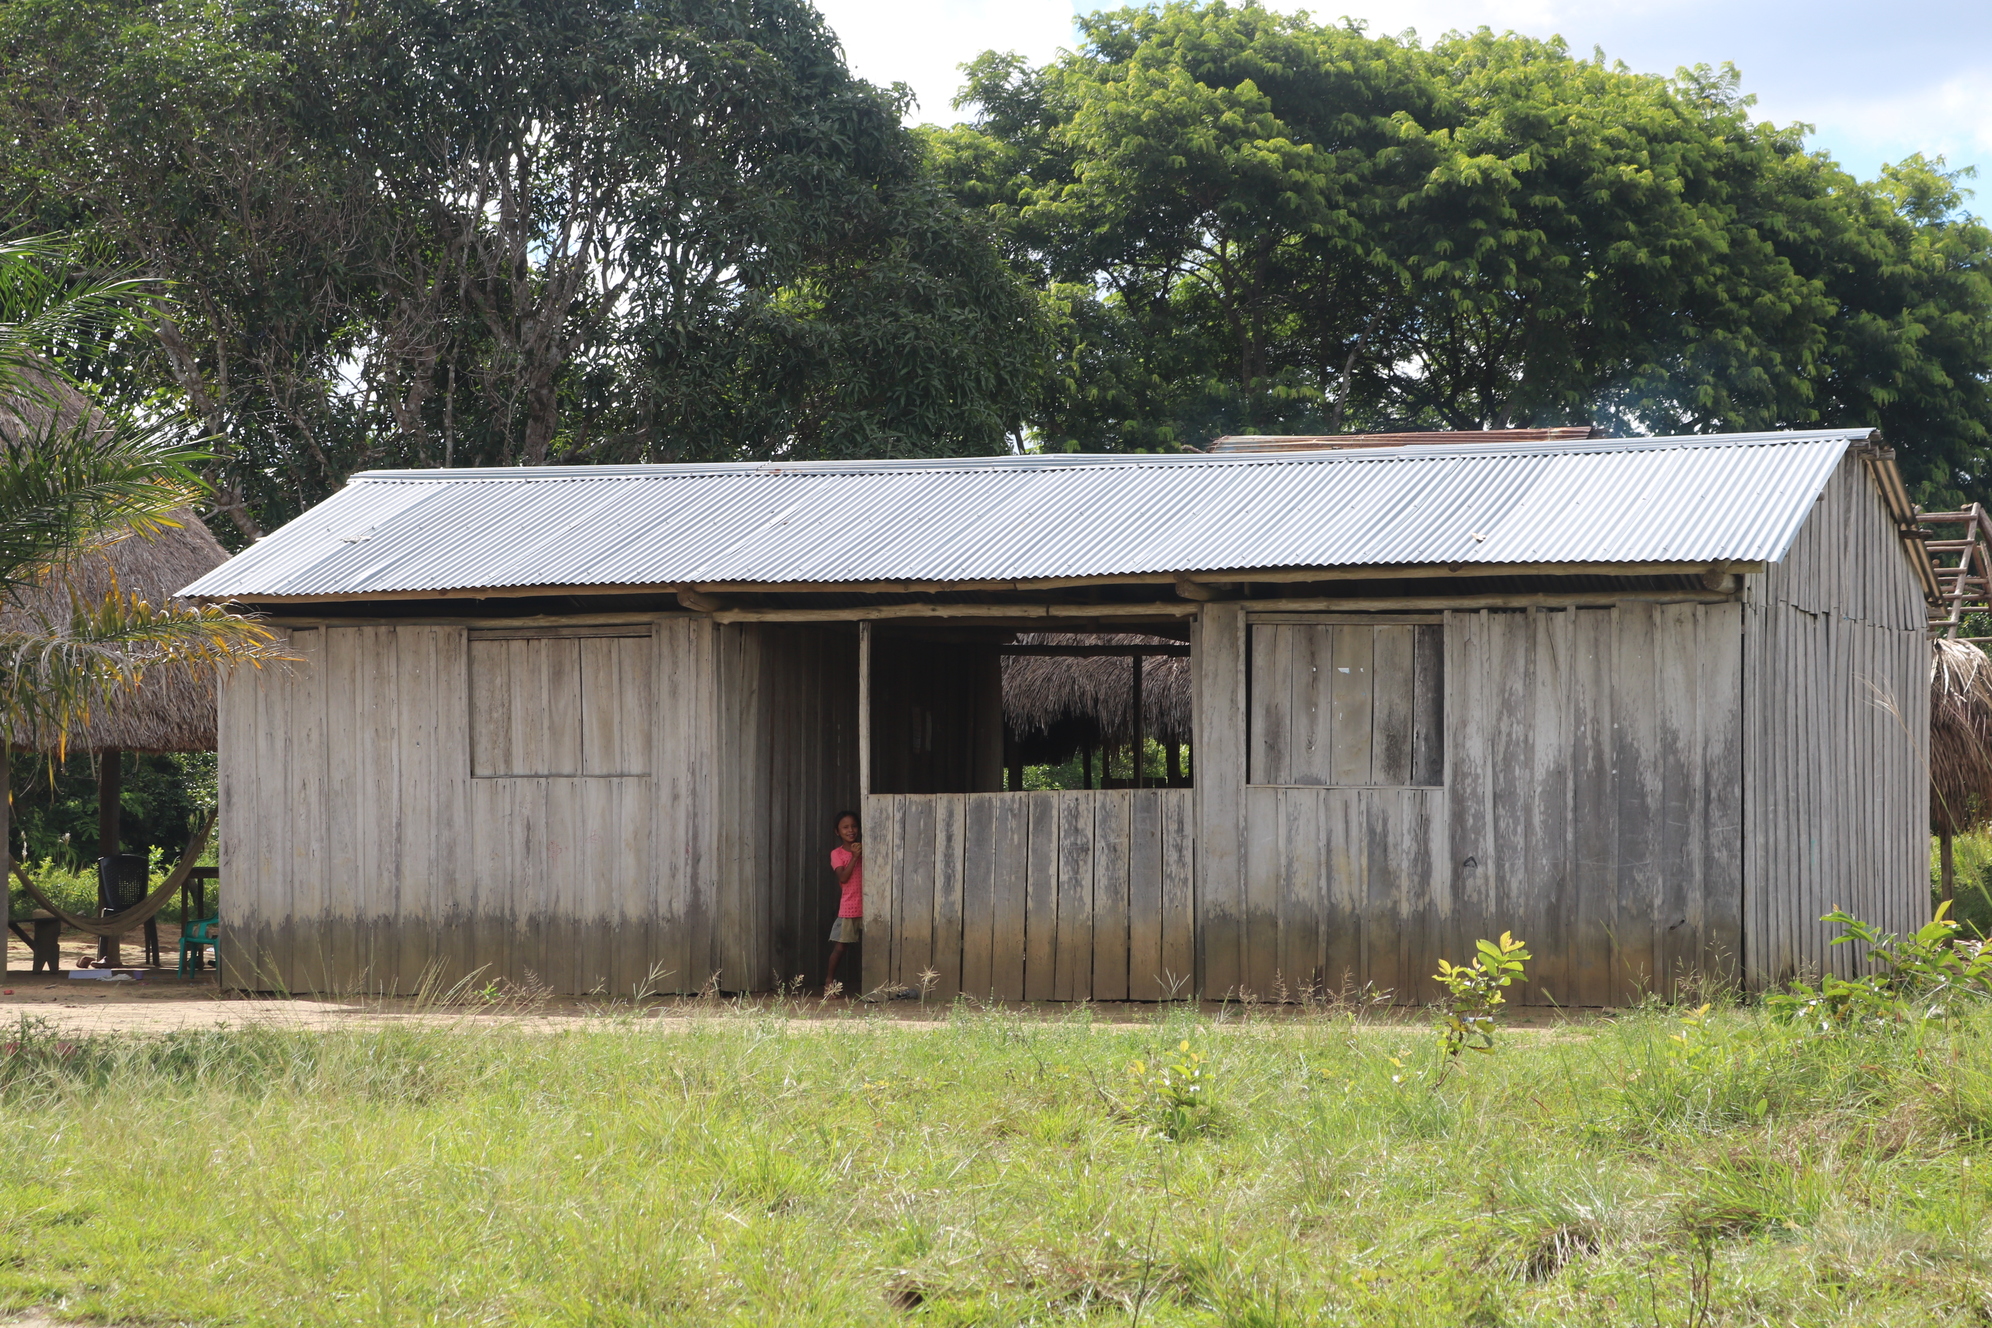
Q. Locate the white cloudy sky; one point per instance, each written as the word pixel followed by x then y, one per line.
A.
pixel 1879 81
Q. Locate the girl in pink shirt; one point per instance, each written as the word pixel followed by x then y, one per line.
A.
pixel 848 861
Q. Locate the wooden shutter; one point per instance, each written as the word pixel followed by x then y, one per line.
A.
pixel 1347 704
pixel 560 705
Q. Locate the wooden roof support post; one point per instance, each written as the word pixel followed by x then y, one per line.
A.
pixel 1139 749
pixel 864 710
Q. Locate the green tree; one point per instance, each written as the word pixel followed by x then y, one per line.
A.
pixel 421 232
pixel 1249 221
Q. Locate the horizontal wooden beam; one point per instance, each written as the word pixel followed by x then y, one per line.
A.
pixel 531 620
pixel 1602 599
pixel 1014 612
pixel 1088 652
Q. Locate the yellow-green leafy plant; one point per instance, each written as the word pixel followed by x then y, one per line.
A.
pixel 1475 993
pixel 1174 1093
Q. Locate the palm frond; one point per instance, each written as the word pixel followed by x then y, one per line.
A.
pixel 55 674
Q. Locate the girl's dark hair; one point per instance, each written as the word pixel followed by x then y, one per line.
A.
pixel 838 820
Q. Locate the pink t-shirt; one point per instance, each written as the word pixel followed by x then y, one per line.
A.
pixel 852 904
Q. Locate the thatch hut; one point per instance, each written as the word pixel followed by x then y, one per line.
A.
pixel 1059 706
pixel 1960 746
pixel 172 709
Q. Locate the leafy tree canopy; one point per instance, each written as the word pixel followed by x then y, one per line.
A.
pixel 425 232
pixel 1253 222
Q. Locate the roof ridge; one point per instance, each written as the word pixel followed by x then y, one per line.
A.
pixel 1107 460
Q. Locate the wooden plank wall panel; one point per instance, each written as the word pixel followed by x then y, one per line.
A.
pixel 1591 763
pixel 1834 738
pixel 1036 896
pixel 400 870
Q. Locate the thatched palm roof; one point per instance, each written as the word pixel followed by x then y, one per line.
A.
pixel 173 709
pixel 1091 700
pixel 1960 737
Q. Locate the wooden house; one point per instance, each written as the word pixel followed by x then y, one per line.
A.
pixel 1654 705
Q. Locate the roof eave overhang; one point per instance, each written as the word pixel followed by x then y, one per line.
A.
pixel 1204 577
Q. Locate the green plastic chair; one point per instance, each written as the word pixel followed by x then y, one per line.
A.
pixel 193 936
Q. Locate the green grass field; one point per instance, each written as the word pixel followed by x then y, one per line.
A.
pixel 744 1165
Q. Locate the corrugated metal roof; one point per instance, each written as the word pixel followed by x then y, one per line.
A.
pixel 1700 499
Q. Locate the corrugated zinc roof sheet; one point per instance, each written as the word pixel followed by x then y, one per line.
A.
pixel 1700 499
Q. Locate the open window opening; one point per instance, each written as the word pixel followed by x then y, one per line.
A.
pixel 984 711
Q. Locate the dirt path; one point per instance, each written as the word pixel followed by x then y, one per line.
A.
pixel 162 1002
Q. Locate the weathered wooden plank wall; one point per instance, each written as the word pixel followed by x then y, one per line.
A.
pixel 362 854
pixel 1836 739
pixel 1587 800
pixel 1040 896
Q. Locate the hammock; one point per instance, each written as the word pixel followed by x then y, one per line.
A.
pixel 137 915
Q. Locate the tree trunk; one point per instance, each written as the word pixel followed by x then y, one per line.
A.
pixel 1087 764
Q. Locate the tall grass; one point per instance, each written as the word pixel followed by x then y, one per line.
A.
pixel 743 1166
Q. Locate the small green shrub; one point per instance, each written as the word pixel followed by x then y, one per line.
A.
pixel 1930 974
pixel 1475 994
pixel 1174 1097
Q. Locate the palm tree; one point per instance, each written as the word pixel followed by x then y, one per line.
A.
pixel 76 475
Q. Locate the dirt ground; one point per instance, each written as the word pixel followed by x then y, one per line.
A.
pixel 163 1002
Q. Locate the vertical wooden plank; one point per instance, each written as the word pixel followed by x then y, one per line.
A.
pixel 1179 915
pixel 1145 960
pixel 978 894
pixel 880 930
pixel 1112 823
pixel 1272 721
pixel 1394 686
pixel 303 894
pixel 1594 810
pixel 1428 703
pixel 418 696
pixel 1682 818
pixel 1345 961
pixel 335 960
pixel 1638 768
pixel 915 882
pixel 1512 723
pixel 1384 930
pixel 950 826
pixel 1303 949
pixel 1009 838
pixel 1307 660
pixel 1470 714
pixel 1547 887
pixel 1072 978
pixel 1217 667
pixel 1352 701
pixel 1041 897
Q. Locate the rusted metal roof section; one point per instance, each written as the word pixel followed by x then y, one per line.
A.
pixel 1693 500
pixel 1233 443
